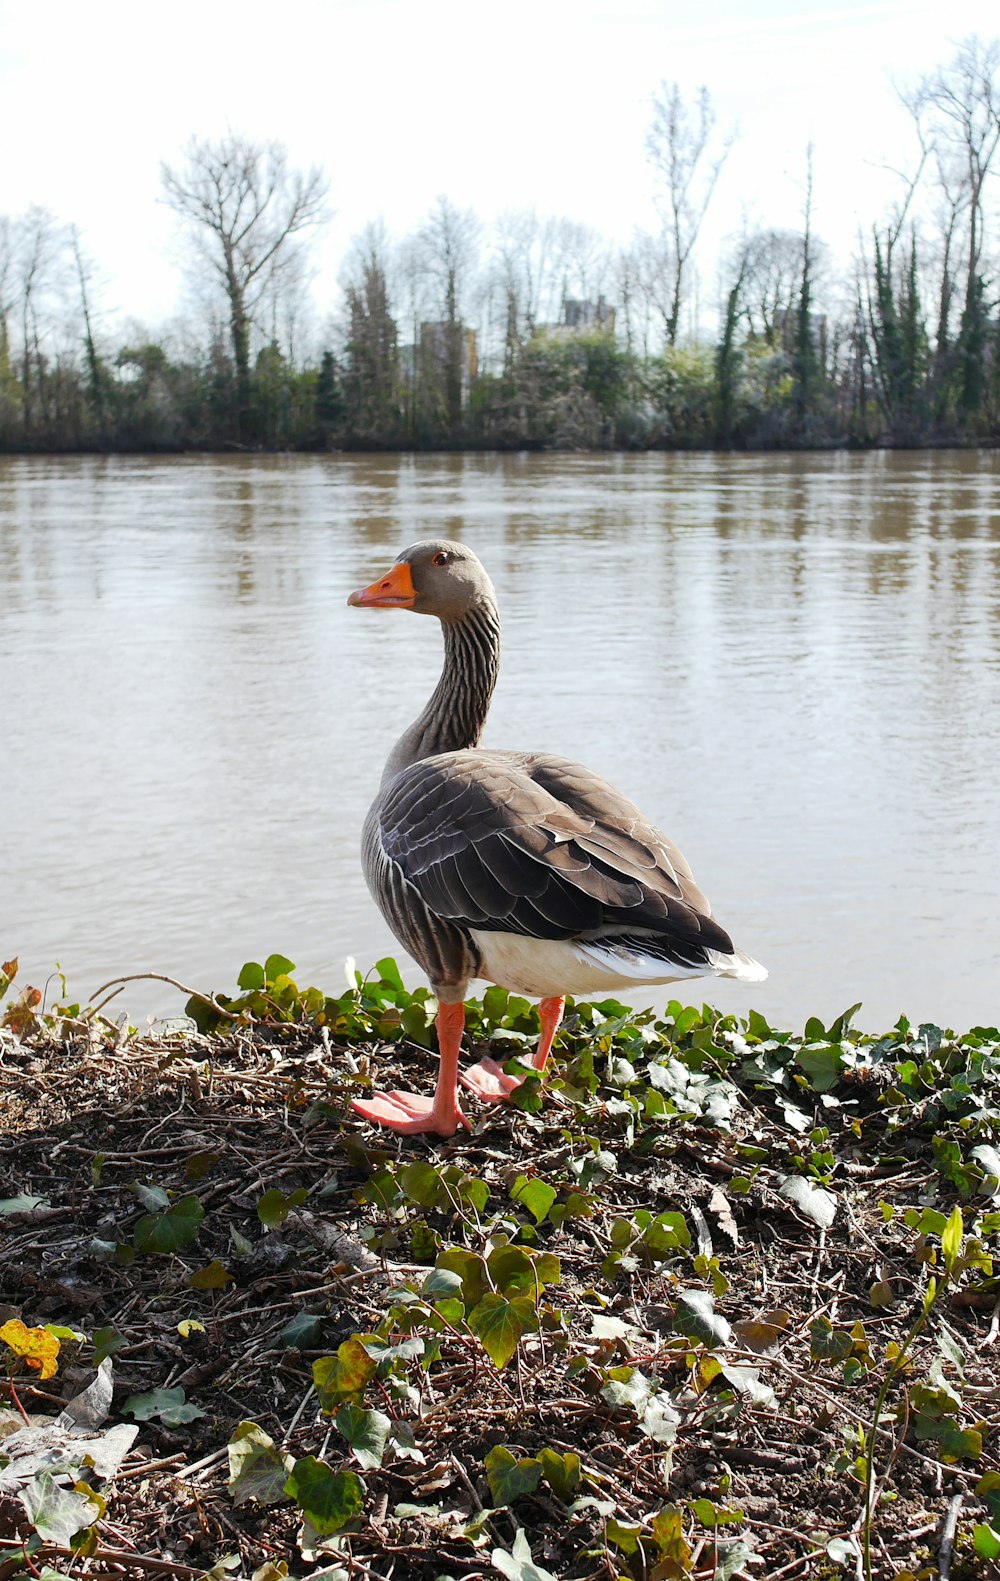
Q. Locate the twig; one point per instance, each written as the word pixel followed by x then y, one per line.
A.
pixel 948 1531
pixel 122 1556
pixel 118 983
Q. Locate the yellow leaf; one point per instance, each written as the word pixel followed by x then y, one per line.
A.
pixel 36 1346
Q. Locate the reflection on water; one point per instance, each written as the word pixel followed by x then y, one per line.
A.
pixel 790 662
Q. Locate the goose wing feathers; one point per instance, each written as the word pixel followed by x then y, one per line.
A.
pixel 533 844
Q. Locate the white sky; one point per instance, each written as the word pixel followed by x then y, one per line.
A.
pixel 511 103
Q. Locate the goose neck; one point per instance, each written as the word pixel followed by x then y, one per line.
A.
pixel 456 711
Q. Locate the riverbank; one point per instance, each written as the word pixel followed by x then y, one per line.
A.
pixel 645 1319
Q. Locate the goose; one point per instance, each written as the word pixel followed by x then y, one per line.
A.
pixel 519 868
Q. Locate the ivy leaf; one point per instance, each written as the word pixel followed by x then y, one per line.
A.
pixel 951 1238
pixel 274 1207
pixel 660 1420
pixel 986 1541
pixel 366 1432
pixel 500 1324
pixel 257 1469
pixel 509 1477
pixel 471 1269
pixel 423 1185
pixel 56 1513
pixel 696 1318
pixel 105 1342
pixel 817 1204
pixel 988 1159
pixel 561 1472
pixel 37 1347
pixel 518 1565
pixel 344 1376
pixel 442 1282
pixel 301 1331
pixel 278 966
pixel 328 1499
pixel 251 978
pixel 172 1230
pixel 22 1203
pixel 168 1404
pixel 214 1276
pixel 535 1195
pixel 626 1388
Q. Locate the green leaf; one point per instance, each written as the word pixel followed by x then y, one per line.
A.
pixel 388 972
pixel 172 1230
pixel 344 1376
pixel 22 1203
pixel 442 1282
pixel 951 1238
pixel 500 1324
pixel 274 1207
pixel 252 977
pixel 713 1515
pixel 696 1318
pixel 168 1404
pixel 56 1513
pixel 518 1565
pixel 561 1472
pixel 328 1499
pixel 471 1269
pixel 626 1388
pixel 823 1064
pixel 214 1276
pixel 515 1271
pixel 257 1469
pixel 535 1195
pixel 509 1477
pixel 277 966
pixel 105 1342
pixel 624 1535
pixel 366 1432
pixel 423 1185
pixel 986 1541
pixel 302 1331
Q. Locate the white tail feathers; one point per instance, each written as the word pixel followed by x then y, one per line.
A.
pixel 738 965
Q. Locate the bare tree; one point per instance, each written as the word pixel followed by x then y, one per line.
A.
pixel 959 105
pixel 37 248
pixel 245 208
pixel 680 147
pixel 449 243
pixel 95 370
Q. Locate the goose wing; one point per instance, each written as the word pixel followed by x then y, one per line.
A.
pixel 538 845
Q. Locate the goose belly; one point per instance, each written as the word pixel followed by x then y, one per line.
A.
pixel 546 968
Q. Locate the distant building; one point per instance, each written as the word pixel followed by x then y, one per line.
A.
pixel 579 313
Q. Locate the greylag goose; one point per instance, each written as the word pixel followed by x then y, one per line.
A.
pixel 521 868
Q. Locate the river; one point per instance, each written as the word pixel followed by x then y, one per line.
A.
pixel 792 663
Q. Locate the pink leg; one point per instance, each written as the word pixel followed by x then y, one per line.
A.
pixel 408 1112
pixel 490 1081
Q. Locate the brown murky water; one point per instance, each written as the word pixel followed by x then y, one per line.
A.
pixel 791 663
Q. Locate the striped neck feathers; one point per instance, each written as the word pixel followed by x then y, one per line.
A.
pixel 456 711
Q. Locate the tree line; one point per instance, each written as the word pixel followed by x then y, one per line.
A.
pixel 537 333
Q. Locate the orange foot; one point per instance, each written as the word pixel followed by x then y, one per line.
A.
pixel 489 1081
pixel 410 1114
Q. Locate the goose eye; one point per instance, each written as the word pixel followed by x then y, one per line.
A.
pixel 441 558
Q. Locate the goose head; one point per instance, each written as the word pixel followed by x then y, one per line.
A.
pixel 433 577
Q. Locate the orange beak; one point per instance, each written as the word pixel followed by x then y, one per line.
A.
pixel 395 590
